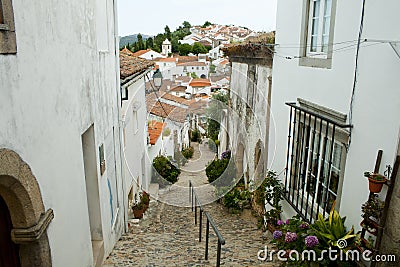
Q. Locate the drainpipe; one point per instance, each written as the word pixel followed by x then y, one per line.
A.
pixel 116 48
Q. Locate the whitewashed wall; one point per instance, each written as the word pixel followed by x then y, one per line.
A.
pixel 376 102
pixel 63 79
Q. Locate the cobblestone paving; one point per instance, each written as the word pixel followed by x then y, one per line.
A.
pixel 167 235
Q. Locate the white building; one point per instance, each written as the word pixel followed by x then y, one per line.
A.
pixel 166 47
pixel 200 69
pixel 356 105
pixel 199 87
pixel 134 120
pixel 167 66
pixel 60 161
pixel 148 54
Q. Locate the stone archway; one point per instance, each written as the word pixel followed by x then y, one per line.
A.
pixel 21 193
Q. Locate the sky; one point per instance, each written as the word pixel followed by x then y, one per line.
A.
pixel 151 16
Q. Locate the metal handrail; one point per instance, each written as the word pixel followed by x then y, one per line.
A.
pixel 195 201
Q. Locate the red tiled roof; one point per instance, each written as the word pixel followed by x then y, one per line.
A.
pixel 184 79
pixel 200 83
pixel 140 52
pixel 167 111
pixel 176 99
pixel 155 129
pixel 182 59
pixel 168 59
pixel 130 64
pixel 179 88
pixel 194 63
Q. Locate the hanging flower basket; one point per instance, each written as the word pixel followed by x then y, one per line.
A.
pixel 376 181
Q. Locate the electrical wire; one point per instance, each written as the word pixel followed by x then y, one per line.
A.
pixel 356 71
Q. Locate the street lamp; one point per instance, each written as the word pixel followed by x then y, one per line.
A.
pixel 157 79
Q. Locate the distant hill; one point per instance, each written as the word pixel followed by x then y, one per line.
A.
pixel 123 41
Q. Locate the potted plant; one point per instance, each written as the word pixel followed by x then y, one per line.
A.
pixel 373 208
pixel 138 210
pixel 145 199
pixel 376 181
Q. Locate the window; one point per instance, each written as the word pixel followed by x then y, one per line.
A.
pixel 315 159
pixel 317 33
pixel 202 68
pixel 8 44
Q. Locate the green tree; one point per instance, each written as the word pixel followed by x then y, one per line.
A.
pixel 168 33
pixel 186 25
pixel 149 43
pixel 206 24
pixel 198 48
pixel 185 49
pixel 140 43
pixel 194 75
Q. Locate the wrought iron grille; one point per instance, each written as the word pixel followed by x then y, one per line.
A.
pixel 313 162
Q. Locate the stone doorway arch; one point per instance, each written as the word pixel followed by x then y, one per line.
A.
pixel 21 193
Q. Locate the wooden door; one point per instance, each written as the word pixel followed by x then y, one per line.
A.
pixel 9 254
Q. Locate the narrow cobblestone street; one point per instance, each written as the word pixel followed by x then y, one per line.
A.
pixel 167 235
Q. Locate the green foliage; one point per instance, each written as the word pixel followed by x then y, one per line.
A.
pixel 185 49
pixel 212 68
pixel 188 152
pixel 329 231
pixel 165 169
pixel 166 132
pixel 198 48
pixel 206 24
pixel 216 168
pixel 237 199
pixel 196 136
pixel 221 172
pixel 270 191
pixel 194 75
pixel 373 207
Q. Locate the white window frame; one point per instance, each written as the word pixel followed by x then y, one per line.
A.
pixel 322 31
pixel 321 57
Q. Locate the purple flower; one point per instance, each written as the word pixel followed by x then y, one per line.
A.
pixel 277 234
pixel 304 226
pixel 287 221
pixel 290 237
pixel 311 241
pixel 280 222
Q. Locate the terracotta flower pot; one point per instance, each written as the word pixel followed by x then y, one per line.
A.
pixel 375 186
pixel 138 213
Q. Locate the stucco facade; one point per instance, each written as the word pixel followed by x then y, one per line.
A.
pixel 371 104
pixel 59 105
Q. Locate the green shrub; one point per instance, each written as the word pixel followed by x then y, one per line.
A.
pixel 196 136
pixel 165 169
pixel 188 152
pixel 237 199
pixel 223 170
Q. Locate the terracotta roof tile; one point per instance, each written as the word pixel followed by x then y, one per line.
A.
pixel 130 64
pixel 200 83
pixel 155 129
pixel 168 59
pixel 194 63
pixel 167 111
pixel 184 79
pixel 140 52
